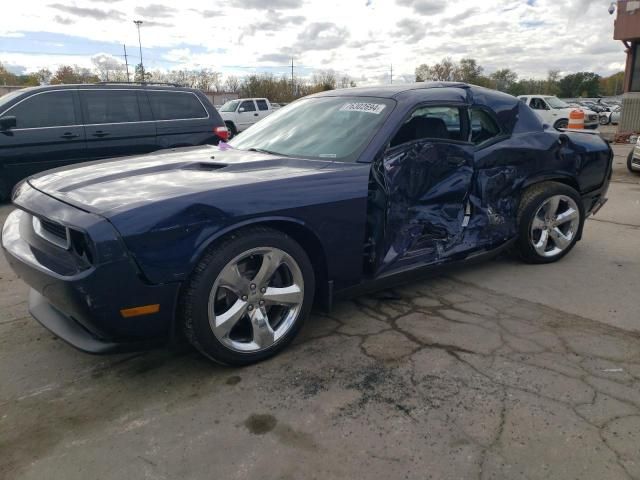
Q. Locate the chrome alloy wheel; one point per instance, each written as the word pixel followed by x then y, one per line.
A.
pixel 554 225
pixel 256 299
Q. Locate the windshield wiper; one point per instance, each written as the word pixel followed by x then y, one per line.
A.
pixel 262 150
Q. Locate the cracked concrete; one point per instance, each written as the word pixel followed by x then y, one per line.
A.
pixel 438 379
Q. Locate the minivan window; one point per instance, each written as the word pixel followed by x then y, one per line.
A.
pixel 176 105
pixel 110 106
pixel 49 109
pixel 262 105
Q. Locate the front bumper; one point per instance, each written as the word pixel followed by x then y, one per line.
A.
pixel 82 306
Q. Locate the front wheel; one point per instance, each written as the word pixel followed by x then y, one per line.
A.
pixel 604 120
pixel 550 219
pixel 630 166
pixel 563 123
pixel 248 296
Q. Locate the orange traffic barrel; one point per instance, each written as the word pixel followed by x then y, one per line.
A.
pixel 576 119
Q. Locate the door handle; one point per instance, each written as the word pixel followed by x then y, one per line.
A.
pixel 69 135
pixel 100 134
pixel 255 114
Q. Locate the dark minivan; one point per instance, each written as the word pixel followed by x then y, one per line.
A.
pixel 51 126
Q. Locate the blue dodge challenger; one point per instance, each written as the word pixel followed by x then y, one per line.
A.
pixel 337 193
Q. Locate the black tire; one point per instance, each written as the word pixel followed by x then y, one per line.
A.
pixel 194 299
pixel 532 200
pixel 604 120
pixel 629 163
pixel 562 123
pixel 232 129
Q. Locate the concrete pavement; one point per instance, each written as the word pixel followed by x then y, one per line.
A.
pixel 488 372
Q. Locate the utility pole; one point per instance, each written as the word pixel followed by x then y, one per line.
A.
pixel 293 87
pixel 126 61
pixel 392 73
pixel 138 23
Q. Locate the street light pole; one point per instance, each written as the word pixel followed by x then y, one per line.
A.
pixel 138 23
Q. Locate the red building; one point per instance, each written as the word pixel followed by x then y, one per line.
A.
pixel 627 30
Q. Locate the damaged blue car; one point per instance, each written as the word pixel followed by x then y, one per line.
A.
pixel 337 193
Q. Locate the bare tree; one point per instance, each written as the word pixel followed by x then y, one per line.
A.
pixel 232 84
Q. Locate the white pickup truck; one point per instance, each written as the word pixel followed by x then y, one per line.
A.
pixel 240 114
pixel 555 112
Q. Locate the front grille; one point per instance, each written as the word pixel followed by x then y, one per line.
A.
pixel 52 232
pixel 593 117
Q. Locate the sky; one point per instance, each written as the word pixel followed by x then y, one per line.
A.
pixel 359 38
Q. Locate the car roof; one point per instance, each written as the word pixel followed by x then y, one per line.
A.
pixel 390 91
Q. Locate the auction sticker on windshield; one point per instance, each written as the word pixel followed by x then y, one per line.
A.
pixel 363 107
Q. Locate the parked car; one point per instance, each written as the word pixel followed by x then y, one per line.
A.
pixel 555 112
pixel 633 159
pixel 615 116
pixel 52 126
pixel 612 116
pixel 340 192
pixel 240 114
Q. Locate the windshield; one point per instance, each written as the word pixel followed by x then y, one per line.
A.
pixel 230 106
pixel 555 102
pixel 323 127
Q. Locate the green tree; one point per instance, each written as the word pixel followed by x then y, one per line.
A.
pixel 552 87
pixel 468 71
pixel 581 84
pixel 423 73
pixel 612 85
pixel 504 79
pixel 141 75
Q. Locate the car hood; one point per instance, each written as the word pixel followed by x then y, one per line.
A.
pixel 124 183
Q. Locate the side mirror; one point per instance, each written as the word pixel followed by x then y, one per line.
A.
pixel 241 109
pixel 8 122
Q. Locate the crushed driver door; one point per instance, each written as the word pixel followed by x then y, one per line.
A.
pixel 423 187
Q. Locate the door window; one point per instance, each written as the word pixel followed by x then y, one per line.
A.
pixel 176 105
pixel 49 109
pixel 442 123
pixel 483 127
pixel 538 104
pixel 262 105
pixel 248 106
pixel 110 106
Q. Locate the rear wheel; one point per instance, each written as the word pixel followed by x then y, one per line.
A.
pixel 248 297
pixel 550 219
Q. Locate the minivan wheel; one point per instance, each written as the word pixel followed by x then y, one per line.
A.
pixel 550 219
pixel 248 297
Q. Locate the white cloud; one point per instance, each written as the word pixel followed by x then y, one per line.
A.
pixel 360 38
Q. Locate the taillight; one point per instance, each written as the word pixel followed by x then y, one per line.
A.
pixel 222 133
